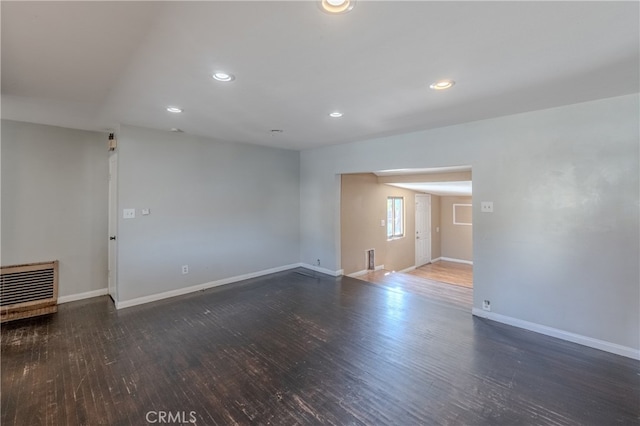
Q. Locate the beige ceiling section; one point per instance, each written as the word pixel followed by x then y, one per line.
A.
pixel 426 177
pixel 444 184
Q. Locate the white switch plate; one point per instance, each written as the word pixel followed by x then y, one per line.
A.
pixel 146 212
pixel 486 206
pixel 128 213
pixel 382 222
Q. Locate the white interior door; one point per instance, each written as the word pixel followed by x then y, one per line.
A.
pixel 423 229
pixel 113 225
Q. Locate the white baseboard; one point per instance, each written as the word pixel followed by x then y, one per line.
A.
pixel 364 272
pixel 326 271
pixel 409 269
pixel 560 334
pixel 450 259
pixel 81 296
pixel 437 259
pixel 180 291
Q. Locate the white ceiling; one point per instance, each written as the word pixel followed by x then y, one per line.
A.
pixel 92 65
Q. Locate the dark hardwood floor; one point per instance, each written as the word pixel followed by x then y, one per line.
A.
pixel 302 348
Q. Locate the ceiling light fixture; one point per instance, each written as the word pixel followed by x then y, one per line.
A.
pixel 336 6
pixel 442 84
pixel 223 76
pixel 335 114
pixel 174 110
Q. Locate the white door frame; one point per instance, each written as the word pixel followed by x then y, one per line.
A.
pixel 113 226
pixel 423 236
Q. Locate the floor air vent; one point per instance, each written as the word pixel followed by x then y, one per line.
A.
pixel 28 290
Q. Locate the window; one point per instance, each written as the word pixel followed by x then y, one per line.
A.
pixel 395 217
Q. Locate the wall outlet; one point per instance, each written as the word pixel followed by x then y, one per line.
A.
pixel 486 305
pixel 128 213
pixel 486 206
pixel 185 269
pixel 318 262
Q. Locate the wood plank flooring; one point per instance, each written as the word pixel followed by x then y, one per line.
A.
pixel 435 291
pixel 300 348
pixel 447 272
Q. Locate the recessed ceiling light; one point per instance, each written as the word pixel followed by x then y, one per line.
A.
pixel 174 109
pixel 176 130
pixel 223 76
pixel 335 114
pixel 336 6
pixel 442 84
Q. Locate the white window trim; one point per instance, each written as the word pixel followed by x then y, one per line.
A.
pixel 404 222
pixel 455 222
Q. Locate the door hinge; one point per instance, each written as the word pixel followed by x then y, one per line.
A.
pixel 113 143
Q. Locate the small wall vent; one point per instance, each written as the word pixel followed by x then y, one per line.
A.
pixel 28 290
pixel 371 259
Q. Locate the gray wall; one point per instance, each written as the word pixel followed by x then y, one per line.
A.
pixel 562 247
pixel 223 209
pixel 54 202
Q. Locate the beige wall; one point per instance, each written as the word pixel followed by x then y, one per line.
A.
pixel 436 227
pixel 363 206
pixel 456 240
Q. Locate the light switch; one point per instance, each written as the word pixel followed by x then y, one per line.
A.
pixel 128 213
pixel 486 206
pixel 146 212
pixel 382 222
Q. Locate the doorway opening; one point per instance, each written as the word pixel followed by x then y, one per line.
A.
pixel 434 248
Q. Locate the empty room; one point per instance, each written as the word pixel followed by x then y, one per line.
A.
pixel 250 212
pixel 426 241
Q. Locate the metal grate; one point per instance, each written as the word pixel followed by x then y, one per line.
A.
pixel 26 287
pixel 27 290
